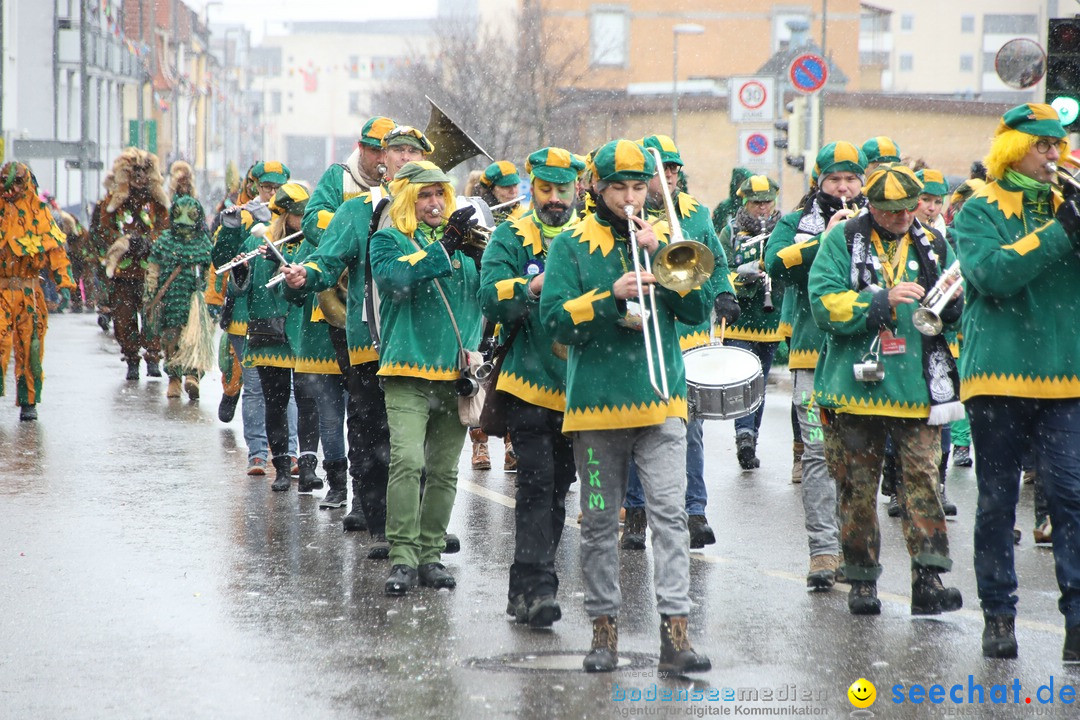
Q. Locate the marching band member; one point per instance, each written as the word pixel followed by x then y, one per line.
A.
pixel 863 287
pixel 758 327
pixel 789 255
pixel 880 150
pixel 612 411
pixel 533 378
pixel 694 220
pixel 1018 241
pixel 428 278
pixel 498 185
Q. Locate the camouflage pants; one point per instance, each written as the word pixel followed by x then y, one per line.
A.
pixel 855 450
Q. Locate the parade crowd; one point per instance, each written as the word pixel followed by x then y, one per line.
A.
pixel 382 318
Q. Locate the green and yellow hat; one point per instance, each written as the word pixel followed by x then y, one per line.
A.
pixel 966 189
pixel 407 135
pixel 622 160
pixel 270 171
pixel 881 149
pixel 375 130
pixel 933 182
pixel 554 165
pixel 1032 119
pixel 758 188
pixel 290 198
pixel 840 156
pixel 421 172
pixel 665 146
pixel 893 187
pixel 502 173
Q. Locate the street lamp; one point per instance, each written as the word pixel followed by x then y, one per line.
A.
pixel 681 29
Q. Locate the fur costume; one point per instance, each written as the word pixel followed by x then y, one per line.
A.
pixel 181 180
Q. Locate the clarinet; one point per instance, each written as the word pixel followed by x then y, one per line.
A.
pixel 767 304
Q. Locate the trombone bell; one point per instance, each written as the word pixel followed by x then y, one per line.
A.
pixel 684 265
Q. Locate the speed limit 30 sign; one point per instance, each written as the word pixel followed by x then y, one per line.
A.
pixel 752 99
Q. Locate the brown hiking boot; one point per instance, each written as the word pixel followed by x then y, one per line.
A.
pixel 510 458
pixel 676 654
pixel 604 655
pixel 796 463
pixel 173 391
pixel 1044 532
pixel 191 387
pixel 481 460
pixel 822 575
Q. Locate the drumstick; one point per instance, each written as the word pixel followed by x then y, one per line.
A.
pixel 723 329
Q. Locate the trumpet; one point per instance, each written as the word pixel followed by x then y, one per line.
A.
pixel 927 317
pixel 1062 175
pixel 649 309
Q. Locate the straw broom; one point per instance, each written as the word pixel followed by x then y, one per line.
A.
pixel 196 345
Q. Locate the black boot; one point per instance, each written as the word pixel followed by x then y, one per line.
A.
pixel 103 320
pixel 633 534
pixel 746 452
pixel 337 479
pixel 929 596
pixel 28 413
pixel 355 519
pixel 227 407
pixel 676 653
pixel 947 506
pixel 133 370
pixel 862 598
pixel 153 368
pixel 1071 652
pixel 282 478
pixel 604 655
pixel 309 481
pixel 700 532
pixel 999 636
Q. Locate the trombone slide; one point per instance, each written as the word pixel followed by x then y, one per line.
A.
pixel 651 333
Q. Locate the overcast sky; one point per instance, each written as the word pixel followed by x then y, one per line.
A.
pixel 260 14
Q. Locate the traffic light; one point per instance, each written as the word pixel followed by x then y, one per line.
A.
pixel 1063 70
pixel 791 132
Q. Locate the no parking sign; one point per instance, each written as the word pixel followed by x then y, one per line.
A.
pixel 808 73
pixel 756 148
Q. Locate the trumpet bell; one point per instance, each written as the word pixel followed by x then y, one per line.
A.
pixel 926 321
pixel 684 265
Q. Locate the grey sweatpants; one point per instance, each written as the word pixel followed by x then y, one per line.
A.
pixel 603 461
pixel 818 486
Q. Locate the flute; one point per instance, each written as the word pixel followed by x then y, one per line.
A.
pixel 248 256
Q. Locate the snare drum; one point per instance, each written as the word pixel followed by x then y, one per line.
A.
pixel 723 382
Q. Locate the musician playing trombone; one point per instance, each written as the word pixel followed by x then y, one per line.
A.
pixel 877 374
pixel 758 327
pixel 613 407
pixel 696 224
pixel 1017 239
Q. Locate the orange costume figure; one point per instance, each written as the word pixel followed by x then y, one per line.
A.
pixel 30 242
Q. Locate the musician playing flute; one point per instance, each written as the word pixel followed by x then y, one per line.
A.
pixel 789 255
pixel 758 328
pixel 696 224
pixel 1018 240
pixel 611 409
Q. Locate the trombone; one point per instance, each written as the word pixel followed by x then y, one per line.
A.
pixel 1062 175
pixel 641 263
pixel 927 317
pixel 682 264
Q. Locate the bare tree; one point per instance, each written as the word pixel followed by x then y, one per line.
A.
pixel 509 91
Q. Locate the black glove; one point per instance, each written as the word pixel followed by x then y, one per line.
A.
pixel 1068 214
pixel 457 229
pixel 726 308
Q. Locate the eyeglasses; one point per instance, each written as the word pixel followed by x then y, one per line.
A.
pixel 1043 145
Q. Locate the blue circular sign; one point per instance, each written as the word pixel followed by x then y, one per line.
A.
pixel 808 73
pixel 757 144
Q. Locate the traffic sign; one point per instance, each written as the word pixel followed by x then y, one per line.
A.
pixel 756 148
pixel 808 73
pixel 752 99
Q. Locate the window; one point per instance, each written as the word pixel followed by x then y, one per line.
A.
pixel 873 57
pixel 967 23
pixel 609 30
pixel 967 63
pixel 275 102
pixel 989 59
pixel 354 103
pixel 1010 25
pixel 354 66
pixel 907 23
pixel 874 22
pixel 907 62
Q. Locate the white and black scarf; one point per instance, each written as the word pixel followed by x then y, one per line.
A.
pixel 939 368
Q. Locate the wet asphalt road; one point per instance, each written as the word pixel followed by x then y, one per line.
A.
pixel 146 576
